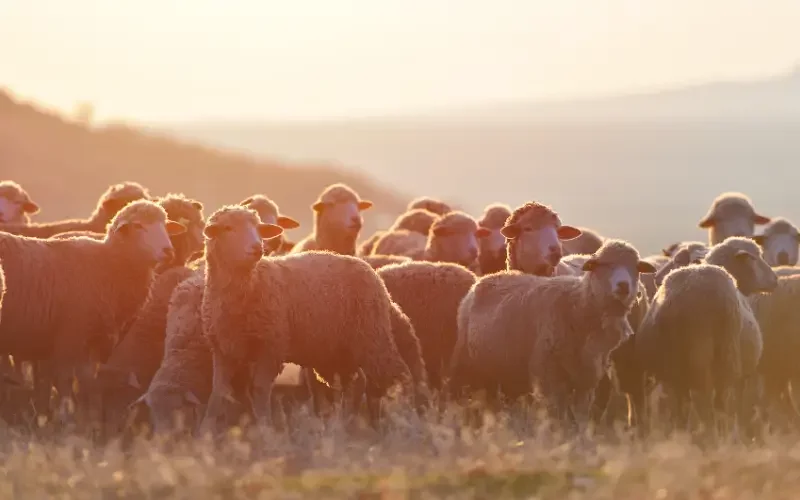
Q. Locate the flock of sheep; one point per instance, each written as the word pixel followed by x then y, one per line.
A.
pixel 149 312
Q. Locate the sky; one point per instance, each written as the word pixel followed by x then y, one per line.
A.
pixel 183 60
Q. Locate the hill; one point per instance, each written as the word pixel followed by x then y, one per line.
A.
pixel 66 165
pixel 624 165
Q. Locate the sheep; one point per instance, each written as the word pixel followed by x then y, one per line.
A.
pixel 270 214
pixel 779 240
pixel 16 204
pixel 552 332
pixel 337 221
pixel 431 204
pixel 731 214
pixel 410 229
pixel 491 242
pixel 716 349
pixel 670 250
pixel 256 316
pixel 429 293
pixel 534 233
pixel 45 319
pixel 182 382
pixel 587 243
pixel 111 202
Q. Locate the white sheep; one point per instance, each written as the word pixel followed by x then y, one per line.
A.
pixel 256 314
pixel 337 221
pixel 779 240
pixel 731 214
pixel 16 204
pixel 67 300
pixel 556 333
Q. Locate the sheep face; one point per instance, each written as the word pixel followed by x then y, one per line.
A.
pixel 613 274
pixel 268 213
pixel 15 203
pixel 779 243
pixel 342 217
pixel 150 239
pixel 752 273
pixel 536 244
pixel 731 214
pixel 453 239
pixel 234 236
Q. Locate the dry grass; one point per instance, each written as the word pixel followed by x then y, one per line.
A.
pixel 411 458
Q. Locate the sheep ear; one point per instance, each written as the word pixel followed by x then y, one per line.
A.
pixel 761 219
pixel 175 228
pixel 759 238
pixel 319 206
pixel 246 201
pixel 30 207
pixel 706 222
pixel 510 231
pixel 268 231
pixel 589 265
pixel 197 205
pixel 287 222
pixel 645 267
pixel 364 205
pixel 211 231
pixel 566 233
pixel 482 232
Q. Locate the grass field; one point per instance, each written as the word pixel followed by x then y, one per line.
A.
pixel 509 457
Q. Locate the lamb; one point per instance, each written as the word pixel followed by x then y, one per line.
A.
pixel 779 240
pixel 431 204
pixel 587 243
pixel 337 221
pixel 535 234
pixel 256 315
pixel 43 317
pixel 111 202
pixel 731 214
pixel 410 230
pixel 554 332
pixel 429 293
pixel 269 213
pixel 182 383
pixel 16 204
pixel 491 242
pixel 710 352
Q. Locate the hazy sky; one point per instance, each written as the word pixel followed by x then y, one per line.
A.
pixel 181 59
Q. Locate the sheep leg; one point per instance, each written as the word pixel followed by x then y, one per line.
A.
pixel 265 371
pixel 221 390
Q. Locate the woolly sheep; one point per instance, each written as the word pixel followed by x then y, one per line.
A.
pixel 731 214
pixel 337 221
pixel 717 347
pixel 534 234
pixel 429 293
pixel 269 213
pixel 15 204
pixel 431 204
pixel 588 242
pixel 417 220
pixel 555 333
pixel 111 202
pixel 779 240
pixel 44 318
pixel 491 242
pixel 255 313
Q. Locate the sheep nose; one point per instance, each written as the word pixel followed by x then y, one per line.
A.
pixel 355 222
pixel 623 289
pixel 555 255
pixel 783 259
